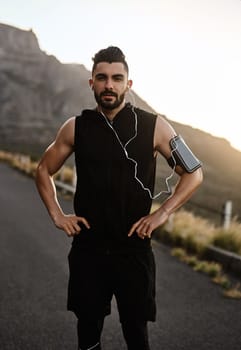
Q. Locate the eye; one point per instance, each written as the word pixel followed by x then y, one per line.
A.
pixel 100 77
pixel 118 77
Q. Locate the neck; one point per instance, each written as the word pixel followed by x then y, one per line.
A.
pixel 110 113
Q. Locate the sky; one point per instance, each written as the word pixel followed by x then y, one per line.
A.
pixel 184 55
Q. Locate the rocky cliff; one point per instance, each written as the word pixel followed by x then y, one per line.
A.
pixel 37 92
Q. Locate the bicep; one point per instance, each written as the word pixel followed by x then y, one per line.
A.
pixel 164 132
pixel 62 147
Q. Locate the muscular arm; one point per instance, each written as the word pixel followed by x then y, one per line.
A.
pixel 186 186
pixel 52 160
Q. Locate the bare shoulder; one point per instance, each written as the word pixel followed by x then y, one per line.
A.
pixel 68 125
pixel 162 124
pixel 164 132
pixel 66 132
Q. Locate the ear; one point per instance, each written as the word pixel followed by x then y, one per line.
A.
pixel 129 84
pixel 91 83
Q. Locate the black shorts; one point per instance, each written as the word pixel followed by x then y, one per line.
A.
pixel 95 278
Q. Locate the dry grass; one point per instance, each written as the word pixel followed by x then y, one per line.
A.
pixel 229 239
pixel 25 164
pixel 223 281
pixel 234 292
pixel 195 233
pixel 212 269
pixel 5 156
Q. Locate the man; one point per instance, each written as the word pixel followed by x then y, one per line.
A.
pixel 115 148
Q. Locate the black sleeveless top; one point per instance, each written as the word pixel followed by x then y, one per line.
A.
pixel 107 193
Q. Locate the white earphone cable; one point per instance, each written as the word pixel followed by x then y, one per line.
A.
pixel 167 179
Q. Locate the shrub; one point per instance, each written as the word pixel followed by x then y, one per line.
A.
pixel 212 269
pixel 195 233
pixel 229 239
pixel 188 231
pixel 233 292
pixel 222 280
pixel 179 253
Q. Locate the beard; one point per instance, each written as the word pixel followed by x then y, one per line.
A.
pixel 109 105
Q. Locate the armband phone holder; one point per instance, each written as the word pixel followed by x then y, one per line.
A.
pixel 183 156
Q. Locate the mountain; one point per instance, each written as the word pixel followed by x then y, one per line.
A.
pixel 38 93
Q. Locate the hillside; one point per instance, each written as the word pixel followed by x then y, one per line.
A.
pixel 38 93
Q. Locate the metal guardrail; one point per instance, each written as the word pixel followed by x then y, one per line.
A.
pixel 65 187
pixel 229 260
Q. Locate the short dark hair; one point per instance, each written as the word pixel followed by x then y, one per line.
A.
pixel 110 54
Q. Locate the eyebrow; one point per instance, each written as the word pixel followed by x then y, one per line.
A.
pixel 103 75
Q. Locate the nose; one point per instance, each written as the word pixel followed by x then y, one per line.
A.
pixel 109 84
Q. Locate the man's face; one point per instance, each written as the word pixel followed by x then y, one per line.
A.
pixel 109 83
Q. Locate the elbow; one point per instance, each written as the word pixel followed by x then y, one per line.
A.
pixel 40 174
pixel 199 176
pixel 39 170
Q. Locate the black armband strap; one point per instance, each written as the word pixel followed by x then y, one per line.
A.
pixel 171 162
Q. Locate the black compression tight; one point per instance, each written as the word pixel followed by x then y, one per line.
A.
pixel 135 334
pixel 89 333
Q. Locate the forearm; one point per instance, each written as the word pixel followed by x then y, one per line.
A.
pixel 47 190
pixel 185 188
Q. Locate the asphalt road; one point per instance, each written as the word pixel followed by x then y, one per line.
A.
pixel 192 312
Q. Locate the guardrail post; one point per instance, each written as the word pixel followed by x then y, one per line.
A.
pixel 227 214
